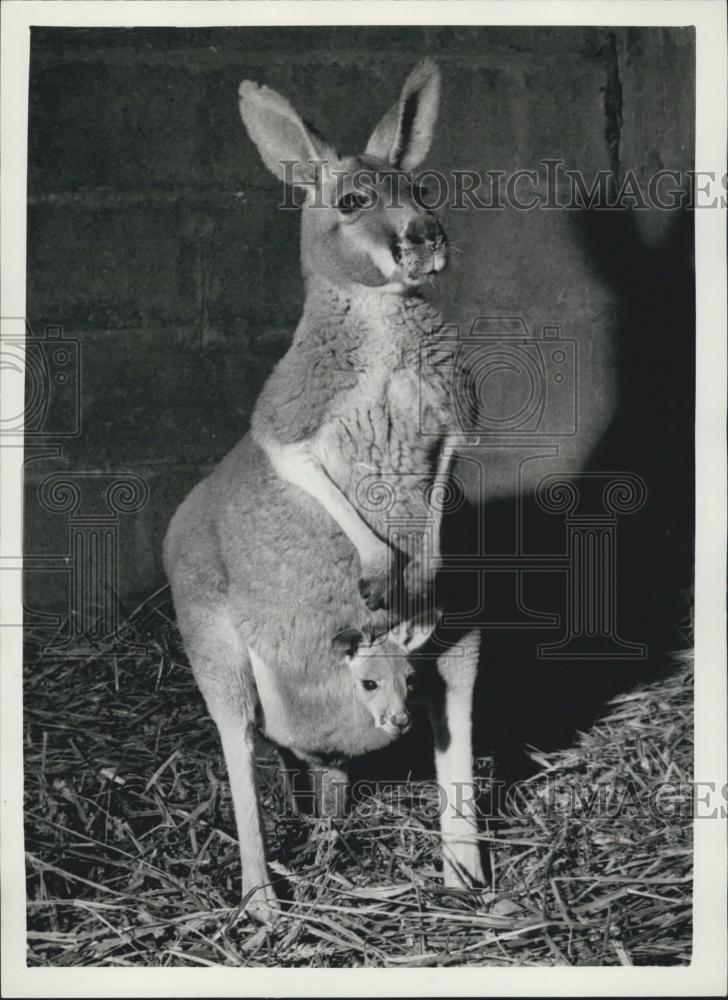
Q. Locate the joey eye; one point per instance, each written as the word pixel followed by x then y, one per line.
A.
pixel 369 685
pixel 410 682
pixel 351 202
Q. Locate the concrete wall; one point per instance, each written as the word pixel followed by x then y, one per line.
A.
pixel 154 239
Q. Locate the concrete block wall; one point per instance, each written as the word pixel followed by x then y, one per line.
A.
pixel 154 238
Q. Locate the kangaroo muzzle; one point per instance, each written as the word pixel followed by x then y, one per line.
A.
pixel 422 248
pixel 396 723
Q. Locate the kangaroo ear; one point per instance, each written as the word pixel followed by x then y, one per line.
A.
pixel 402 138
pixel 281 135
pixel 346 643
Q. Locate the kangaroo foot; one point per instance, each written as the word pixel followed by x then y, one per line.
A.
pixel 376 592
pixel 379 580
pixel 461 867
pixel 262 905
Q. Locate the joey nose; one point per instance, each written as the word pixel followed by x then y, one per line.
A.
pixel 401 720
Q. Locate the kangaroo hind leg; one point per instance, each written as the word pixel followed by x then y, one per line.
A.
pixel 451 716
pixel 222 669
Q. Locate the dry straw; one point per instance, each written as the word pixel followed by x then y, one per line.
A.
pixel 131 857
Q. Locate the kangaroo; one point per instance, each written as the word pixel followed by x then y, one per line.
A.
pixel 325 516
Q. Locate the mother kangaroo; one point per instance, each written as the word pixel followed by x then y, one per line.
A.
pixel 325 516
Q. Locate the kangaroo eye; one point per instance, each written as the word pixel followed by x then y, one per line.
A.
pixel 410 683
pixel 369 685
pixel 351 202
pixel 420 195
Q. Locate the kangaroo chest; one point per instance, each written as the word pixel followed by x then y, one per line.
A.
pixel 393 418
pixel 357 405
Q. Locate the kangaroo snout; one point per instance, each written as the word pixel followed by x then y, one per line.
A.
pixel 420 231
pixel 422 247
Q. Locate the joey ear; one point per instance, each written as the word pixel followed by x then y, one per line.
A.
pixel 402 138
pixel 280 134
pixel 412 634
pixel 346 643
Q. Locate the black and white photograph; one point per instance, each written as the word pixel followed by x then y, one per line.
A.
pixel 362 393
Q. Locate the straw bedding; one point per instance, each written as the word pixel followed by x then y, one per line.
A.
pixel 131 855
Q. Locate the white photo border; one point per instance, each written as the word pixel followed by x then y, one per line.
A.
pixel 707 973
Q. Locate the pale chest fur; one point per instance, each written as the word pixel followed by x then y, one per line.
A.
pixel 392 420
pixel 358 416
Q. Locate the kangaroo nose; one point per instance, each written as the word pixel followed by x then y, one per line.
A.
pixel 400 720
pixel 421 231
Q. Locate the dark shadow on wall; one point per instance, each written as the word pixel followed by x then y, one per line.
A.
pixel 521 699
